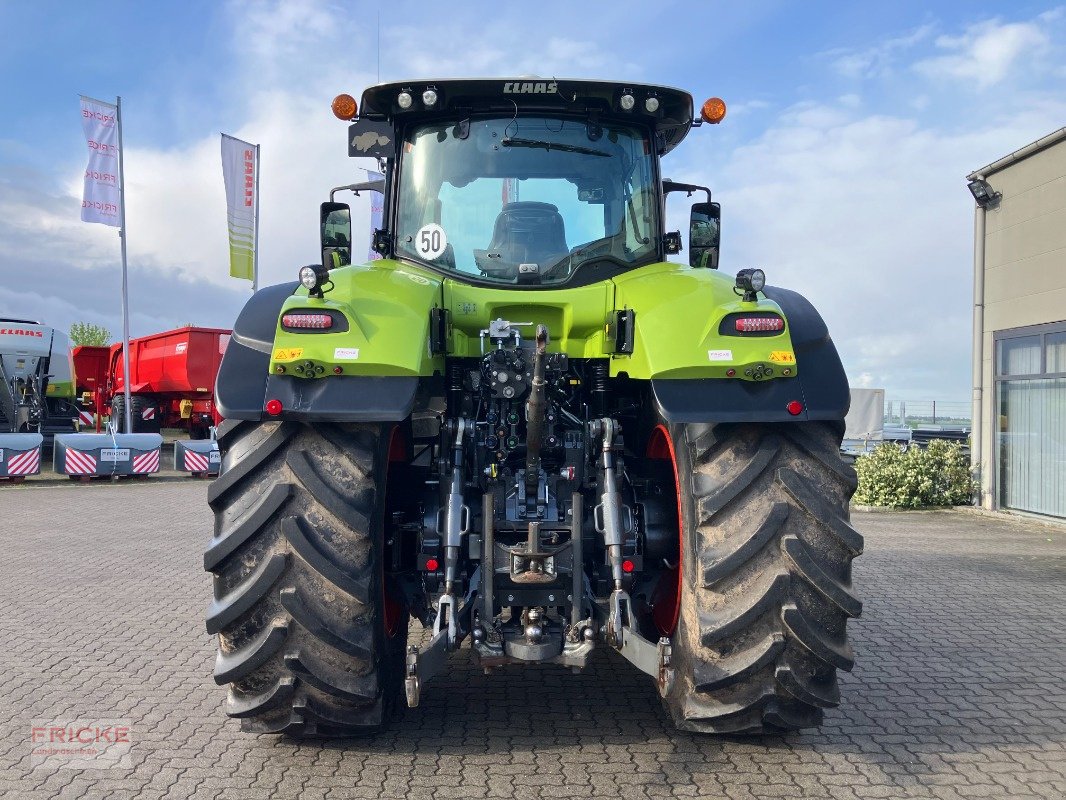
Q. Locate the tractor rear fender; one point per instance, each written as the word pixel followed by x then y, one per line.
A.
pixel 240 387
pixel 366 367
pixel 819 382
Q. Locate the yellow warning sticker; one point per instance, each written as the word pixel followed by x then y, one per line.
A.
pixel 288 353
pixel 783 357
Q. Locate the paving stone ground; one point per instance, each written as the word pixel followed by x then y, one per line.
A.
pixel 959 691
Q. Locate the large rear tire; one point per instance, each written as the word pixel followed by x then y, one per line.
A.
pixel 307 643
pixel 766 576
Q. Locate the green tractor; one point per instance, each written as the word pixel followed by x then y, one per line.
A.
pixel 527 429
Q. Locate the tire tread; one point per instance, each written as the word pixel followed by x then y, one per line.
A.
pixel 765 604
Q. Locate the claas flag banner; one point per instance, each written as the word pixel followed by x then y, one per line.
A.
pixel 240 169
pixel 102 198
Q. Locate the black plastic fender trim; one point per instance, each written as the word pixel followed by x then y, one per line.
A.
pixel 241 382
pixel 825 396
pixel 693 400
pixel 342 398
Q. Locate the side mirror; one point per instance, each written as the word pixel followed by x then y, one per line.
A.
pixel 704 235
pixel 336 234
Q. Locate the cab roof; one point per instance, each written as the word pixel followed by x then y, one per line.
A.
pixel 581 98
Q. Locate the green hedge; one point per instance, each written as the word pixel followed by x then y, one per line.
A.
pixel 937 475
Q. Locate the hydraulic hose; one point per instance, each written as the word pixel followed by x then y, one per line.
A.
pixel 536 409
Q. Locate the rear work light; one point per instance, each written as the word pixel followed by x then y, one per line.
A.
pixel 312 321
pixel 759 324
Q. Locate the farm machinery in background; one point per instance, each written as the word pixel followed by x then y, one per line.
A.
pixel 173 381
pixel 36 393
pixel 36 379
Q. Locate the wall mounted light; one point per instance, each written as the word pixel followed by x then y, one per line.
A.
pixel 985 195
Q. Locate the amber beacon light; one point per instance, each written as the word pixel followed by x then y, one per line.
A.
pixel 713 110
pixel 344 107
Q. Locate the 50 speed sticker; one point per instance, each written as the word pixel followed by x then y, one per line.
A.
pixel 430 241
pixel 783 357
pixel 288 353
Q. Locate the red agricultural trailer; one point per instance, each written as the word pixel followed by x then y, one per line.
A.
pixel 90 377
pixel 172 380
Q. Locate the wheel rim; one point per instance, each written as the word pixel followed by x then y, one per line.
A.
pixel 666 598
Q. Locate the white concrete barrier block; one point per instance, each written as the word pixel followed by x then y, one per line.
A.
pixel 20 454
pixel 197 456
pixel 97 455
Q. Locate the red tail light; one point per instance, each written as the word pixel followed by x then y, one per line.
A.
pixel 273 407
pixel 313 321
pixel 759 324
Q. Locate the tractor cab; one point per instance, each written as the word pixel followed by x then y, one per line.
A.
pixel 531 183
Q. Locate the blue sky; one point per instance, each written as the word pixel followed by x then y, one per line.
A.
pixel 840 165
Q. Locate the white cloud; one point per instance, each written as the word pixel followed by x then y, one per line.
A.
pixel 500 48
pixel 282 34
pixel 986 52
pixel 745 108
pixel 878 59
pixel 868 216
pixel 286 75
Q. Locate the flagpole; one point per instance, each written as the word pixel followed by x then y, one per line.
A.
pixel 125 296
pixel 255 226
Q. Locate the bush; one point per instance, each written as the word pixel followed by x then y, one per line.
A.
pixel 938 475
pixel 89 334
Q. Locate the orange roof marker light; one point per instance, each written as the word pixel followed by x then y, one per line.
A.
pixel 344 107
pixel 713 110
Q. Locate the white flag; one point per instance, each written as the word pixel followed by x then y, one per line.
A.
pixel 377 212
pixel 238 171
pixel 101 200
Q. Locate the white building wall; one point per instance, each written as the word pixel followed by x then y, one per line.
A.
pixel 1024 268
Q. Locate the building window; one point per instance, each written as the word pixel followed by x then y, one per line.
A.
pixel 1031 419
pixel 1019 356
pixel 1055 347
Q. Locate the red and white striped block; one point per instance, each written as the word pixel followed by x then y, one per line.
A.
pixel 146 463
pixel 196 462
pixel 27 462
pixel 76 462
pixel 87 418
pixel 148 413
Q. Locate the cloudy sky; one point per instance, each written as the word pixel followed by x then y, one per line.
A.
pixel 840 165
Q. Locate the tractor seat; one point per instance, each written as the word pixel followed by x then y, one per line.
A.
pixel 526 232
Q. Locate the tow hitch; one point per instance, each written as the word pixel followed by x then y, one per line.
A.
pixel 649 657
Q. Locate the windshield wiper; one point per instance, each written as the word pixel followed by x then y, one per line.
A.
pixel 566 148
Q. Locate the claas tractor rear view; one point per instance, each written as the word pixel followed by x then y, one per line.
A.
pixel 527 429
